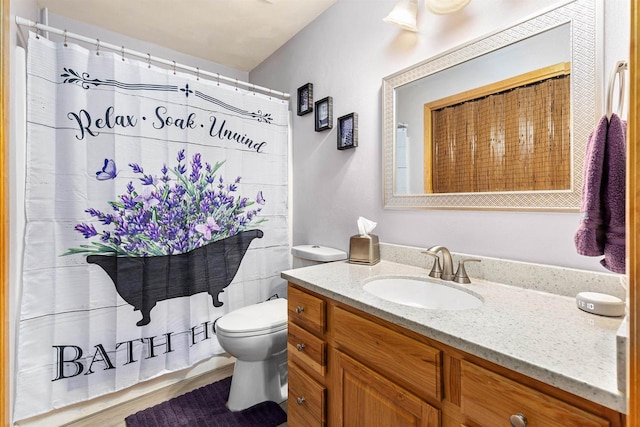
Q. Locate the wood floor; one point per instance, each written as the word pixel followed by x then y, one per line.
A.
pixel 283 405
pixel 115 416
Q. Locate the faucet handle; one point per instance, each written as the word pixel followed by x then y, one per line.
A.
pixel 436 270
pixel 461 274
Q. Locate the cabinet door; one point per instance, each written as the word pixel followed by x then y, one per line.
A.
pixel 366 399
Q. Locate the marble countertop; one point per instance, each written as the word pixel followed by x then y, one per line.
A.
pixel 539 334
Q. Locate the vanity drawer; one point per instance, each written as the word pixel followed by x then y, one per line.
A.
pixel 307 348
pixel 307 399
pixel 410 363
pixel 490 399
pixel 306 310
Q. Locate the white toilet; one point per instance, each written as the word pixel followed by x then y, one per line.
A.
pixel 256 335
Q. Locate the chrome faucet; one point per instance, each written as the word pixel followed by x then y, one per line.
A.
pixel 447 262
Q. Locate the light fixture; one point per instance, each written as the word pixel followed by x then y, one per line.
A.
pixel 443 7
pixel 404 15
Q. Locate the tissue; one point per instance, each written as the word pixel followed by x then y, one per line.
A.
pixel 365 226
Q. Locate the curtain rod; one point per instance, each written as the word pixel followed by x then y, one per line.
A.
pixel 125 51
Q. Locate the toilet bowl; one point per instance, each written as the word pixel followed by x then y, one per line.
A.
pixel 256 335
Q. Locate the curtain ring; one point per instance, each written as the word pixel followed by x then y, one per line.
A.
pixel 65 38
pixel 253 88
pixel 236 85
pixel 148 60
pixel 37 30
pixel 198 73
pixel 174 68
pixel 269 94
pixel 98 47
pixel 218 78
pixel 122 53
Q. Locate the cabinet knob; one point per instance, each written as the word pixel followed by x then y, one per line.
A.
pixel 300 400
pixel 299 309
pixel 300 347
pixel 518 420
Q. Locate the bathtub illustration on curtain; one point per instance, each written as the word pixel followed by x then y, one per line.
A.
pixel 184 233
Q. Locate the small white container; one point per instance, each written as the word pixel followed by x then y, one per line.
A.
pixel 602 304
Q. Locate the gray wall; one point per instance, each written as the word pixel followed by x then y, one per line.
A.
pixel 345 53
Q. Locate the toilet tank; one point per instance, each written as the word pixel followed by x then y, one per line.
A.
pixel 306 255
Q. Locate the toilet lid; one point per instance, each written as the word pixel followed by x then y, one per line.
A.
pixel 318 253
pixel 256 319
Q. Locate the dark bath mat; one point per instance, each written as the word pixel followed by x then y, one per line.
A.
pixel 205 407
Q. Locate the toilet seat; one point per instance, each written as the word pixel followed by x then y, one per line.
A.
pixel 256 319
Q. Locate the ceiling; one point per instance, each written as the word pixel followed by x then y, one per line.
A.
pixel 236 33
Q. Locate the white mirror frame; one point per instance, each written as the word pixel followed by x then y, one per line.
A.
pixel 586 69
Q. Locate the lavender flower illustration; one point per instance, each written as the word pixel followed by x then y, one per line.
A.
pixel 180 210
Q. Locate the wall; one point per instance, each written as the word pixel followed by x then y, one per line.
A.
pixel 345 53
pixel 28 9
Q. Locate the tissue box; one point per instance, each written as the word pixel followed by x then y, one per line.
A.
pixel 364 249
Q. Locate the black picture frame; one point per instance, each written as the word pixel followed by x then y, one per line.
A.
pixel 324 114
pixel 348 131
pixel 305 99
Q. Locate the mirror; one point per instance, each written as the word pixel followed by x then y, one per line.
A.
pixel 564 34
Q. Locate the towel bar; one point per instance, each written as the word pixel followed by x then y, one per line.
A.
pixel 618 70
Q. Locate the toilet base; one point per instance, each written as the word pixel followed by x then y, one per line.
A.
pixel 255 382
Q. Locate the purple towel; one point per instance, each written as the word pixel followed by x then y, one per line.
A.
pixel 613 195
pixel 602 226
pixel 590 236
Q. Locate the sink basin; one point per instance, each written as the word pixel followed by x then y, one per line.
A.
pixel 423 294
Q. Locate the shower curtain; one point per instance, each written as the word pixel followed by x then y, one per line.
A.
pixel 156 202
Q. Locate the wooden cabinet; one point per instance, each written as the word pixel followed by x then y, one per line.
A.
pixel 349 368
pixel 368 399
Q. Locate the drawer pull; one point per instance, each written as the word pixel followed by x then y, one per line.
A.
pixel 300 347
pixel 299 309
pixel 518 420
pixel 300 400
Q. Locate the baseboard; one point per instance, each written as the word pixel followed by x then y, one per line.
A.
pixel 114 416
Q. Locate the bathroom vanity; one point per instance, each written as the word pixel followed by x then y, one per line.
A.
pixel 526 357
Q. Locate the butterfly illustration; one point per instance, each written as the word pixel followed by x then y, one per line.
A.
pixel 108 170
